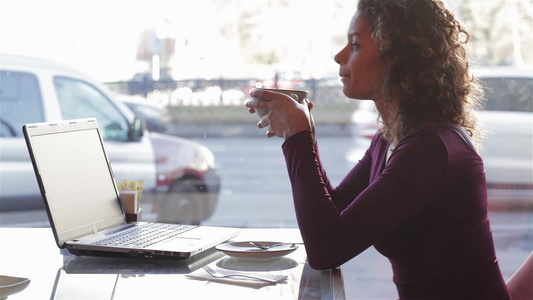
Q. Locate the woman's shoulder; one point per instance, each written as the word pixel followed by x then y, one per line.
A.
pixel 420 152
pixel 428 134
pixel 425 134
pixel 431 139
pixel 436 133
pixel 445 138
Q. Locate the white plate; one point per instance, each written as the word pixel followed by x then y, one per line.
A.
pixel 12 285
pixel 247 250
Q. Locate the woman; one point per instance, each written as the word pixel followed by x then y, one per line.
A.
pixel 419 193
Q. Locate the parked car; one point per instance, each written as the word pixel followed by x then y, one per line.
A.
pixel 507 119
pixel 174 170
pixel 155 115
pixel 177 172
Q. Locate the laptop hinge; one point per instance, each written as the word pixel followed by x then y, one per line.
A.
pixel 95 229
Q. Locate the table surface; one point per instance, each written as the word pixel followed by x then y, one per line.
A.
pixel 55 274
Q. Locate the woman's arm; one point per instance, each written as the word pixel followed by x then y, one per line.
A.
pixel 332 235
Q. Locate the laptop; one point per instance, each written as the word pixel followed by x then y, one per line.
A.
pixel 82 199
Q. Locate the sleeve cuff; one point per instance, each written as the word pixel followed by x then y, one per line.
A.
pixel 297 139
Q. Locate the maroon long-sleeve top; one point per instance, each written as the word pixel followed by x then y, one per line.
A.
pixel 425 209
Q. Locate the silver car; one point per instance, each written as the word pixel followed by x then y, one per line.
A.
pixel 181 183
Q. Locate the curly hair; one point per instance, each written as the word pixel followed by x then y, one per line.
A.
pixel 429 71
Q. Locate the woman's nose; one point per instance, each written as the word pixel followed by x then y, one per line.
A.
pixel 339 56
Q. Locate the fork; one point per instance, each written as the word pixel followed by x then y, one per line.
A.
pixel 220 275
pixel 265 247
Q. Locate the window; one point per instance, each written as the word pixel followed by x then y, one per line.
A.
pixel 20 102
pixel 79 99
pixel 209 54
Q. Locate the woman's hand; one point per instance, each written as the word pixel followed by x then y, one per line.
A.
pixel 284 116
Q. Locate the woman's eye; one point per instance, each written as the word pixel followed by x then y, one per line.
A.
pixel 355 45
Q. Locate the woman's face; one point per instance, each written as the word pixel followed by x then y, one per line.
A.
pixel 362 70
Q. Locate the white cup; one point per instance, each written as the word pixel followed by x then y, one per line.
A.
pixel 297 95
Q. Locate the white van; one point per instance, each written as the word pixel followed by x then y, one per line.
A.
pixel 178 173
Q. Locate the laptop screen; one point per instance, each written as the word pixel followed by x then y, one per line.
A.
pixel 78 183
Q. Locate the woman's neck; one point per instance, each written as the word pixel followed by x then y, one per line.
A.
pixel 387 111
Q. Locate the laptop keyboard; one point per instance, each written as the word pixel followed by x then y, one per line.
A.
pixel 143 235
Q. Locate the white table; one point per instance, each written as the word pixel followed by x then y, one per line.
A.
pixel 56 274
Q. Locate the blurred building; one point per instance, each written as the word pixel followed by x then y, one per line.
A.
pixel 156 53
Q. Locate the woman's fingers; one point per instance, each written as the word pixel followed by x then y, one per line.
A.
pixel 260 100
pixel 264 94
pixel 270 134
pixel 255 103
pixel 264 122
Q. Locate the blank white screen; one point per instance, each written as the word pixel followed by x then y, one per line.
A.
pixel 76 178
